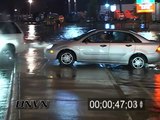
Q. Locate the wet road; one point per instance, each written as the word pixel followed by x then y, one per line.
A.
pixel 67 89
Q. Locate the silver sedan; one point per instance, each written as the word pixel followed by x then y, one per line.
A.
pixel 106 46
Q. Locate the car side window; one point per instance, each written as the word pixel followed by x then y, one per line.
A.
pixel 99 37
pixel 121 37
pixel 131 39
pixel 118 37
pixel 135 39
pixel 109 36
pixel 128 39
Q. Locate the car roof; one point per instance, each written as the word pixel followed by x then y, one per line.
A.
pixel 119 30
pixel 113 30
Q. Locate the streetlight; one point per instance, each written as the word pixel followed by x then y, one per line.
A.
pixel 15 10
pixel 120 5
pixel 107 15
pixel 107 5
pixel 30 2
pixel 75 5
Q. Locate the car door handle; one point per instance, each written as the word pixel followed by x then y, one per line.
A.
pixel 103 45
pixel 128 45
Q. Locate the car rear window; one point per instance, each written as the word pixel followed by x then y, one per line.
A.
pixel 9 28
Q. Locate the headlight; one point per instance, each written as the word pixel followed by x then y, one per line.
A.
pixel 51 51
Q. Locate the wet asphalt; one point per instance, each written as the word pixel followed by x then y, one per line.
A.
pixel 67 89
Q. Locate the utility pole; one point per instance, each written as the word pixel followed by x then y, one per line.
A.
pixel 11 8
pixel 69 6
pixel 75 5
pixel 30 4
pixel 120 5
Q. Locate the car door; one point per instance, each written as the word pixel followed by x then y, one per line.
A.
pixel 94 48
pixel 122 46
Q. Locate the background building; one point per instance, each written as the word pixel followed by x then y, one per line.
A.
pixel 156 15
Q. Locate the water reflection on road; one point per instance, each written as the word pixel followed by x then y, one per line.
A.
pixel 68 31
pixel 72 31
pixel 141 83
pixel 31 60
pixel 156 94
pixel 31 34
pixel 43 33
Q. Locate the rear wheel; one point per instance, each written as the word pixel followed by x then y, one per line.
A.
pixel 66 58
pixel 138 62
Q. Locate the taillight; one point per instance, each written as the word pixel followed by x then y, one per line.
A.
pixel 158 49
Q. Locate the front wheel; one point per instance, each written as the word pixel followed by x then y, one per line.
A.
pixel 8 53
pixel 137 62
pixel 66 58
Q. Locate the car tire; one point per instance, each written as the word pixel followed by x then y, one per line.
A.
pixel 9 52
pixel 138 62
pixel 66 58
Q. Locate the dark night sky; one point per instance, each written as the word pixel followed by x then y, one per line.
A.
pixel 59 6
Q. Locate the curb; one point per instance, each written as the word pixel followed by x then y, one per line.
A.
pixel 11 113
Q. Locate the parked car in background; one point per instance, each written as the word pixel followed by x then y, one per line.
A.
pixel 118 15
pixel 106 46
pixel 53 19
pixel 11 40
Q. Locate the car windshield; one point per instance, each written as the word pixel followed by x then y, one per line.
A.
pixel 83 35
pixel 8 28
